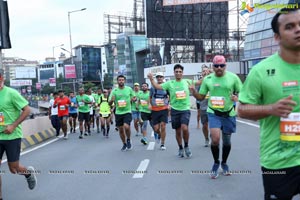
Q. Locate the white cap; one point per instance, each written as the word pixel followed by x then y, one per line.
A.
pixel 159 74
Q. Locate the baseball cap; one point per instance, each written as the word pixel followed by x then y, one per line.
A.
pixel 218 59
pixel 159 74
pixel 136 84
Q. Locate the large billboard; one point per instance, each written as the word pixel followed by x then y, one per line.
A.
pixel 25 72
pixel 187 21
pixel 181 2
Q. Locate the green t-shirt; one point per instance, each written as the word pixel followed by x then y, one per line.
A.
pixel 220 90
pixel 11 104
pixel 96 97
pixel 83 105
pixel 122 99
pixel 144 102
pixel 133 104
pixel 269 81
pixel 179 93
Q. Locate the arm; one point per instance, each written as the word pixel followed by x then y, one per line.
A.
pixel 153 83
pixel 11 127
pixel 281 108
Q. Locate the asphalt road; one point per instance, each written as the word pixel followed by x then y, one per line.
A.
pixel 95 168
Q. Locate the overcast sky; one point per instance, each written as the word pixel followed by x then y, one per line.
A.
pixel 38 25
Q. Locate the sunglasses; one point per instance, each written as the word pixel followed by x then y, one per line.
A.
pixel 159 77
pixel 219 65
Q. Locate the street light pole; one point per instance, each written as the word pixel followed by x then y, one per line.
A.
pixel 70 35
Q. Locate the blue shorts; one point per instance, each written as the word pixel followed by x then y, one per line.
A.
pixel 135 115
pixel 226 124
pixel 180 117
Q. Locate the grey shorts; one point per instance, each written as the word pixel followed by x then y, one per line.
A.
pixel 180 117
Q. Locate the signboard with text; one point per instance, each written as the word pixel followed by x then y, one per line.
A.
pixel 38 86
pixel 52 82
pixel 18 83
pixel 70 71
pixel 181 2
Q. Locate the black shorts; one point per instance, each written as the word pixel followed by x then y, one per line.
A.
pixel 123 119
pixel 203 117
pixel 281 183
pixel 12 148
pixel 146 116
pixel 198 105
pixel 180 117
pixel 159 116
pixel 73 115
pixel 84 117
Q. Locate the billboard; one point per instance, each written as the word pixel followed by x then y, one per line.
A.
pixel 70 71
pixel 25 72
pixel 38 86
pixel 180 2
pixel 187 21
pixel 52 82
pixel 18 83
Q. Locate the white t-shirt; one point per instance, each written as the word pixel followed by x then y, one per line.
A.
pixel 54 111
pixel 91 106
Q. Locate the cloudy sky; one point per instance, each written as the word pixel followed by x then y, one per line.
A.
pixel 38 25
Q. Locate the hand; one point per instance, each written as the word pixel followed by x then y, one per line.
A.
pixel 283 107
pixel 234 98
pixel 150 76
pixel 192 87
pixel 9 129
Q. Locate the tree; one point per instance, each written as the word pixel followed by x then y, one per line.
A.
pixel 88 85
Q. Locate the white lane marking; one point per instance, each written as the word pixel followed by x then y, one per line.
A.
pixel 141 170
pixel 151 146
pixel 152 134
pixel 248 123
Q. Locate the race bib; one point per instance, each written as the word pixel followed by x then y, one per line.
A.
pixel 217 102
pixel 62 107
pixel 144 103
pixel 180 94
pixel 105 115
pixel 2 119
pixel 159 102
pixel 80 103
pixel 290 127
pixel 122 103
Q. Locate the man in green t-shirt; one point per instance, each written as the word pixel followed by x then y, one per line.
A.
pixel 122 96
pixel 222 86
pixel 271 94
pixel 83 102
pixel 143 106
pixel 180 107
pixel 135 111
pixel 13 111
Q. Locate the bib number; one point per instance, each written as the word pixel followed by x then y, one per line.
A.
pixel 217 102
pixel 122 103
pixel 2 119
pixel 144 103
pixel 290 127
pixel 80 104
pixel 159 102
pixel 180 94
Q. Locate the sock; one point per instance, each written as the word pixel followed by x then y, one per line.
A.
pixel 215 151
pixel 107 130
pixel 186 144
pixel 180 146
pixel 226 150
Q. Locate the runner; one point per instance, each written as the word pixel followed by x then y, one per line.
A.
pixel 91 123
pixel 122 96
pixel 73 112
pixel 96 108
pixel 221 116
pixel 53 114
pixel 180 107
pixel 143 106
pixel 159 100
pixel 13 111
pixel 105 112
pixel 83 110
pixel 63 102
pixel 136 115
pixel 271 94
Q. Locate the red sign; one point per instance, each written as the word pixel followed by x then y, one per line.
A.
pixel 52 82
pixel 70 71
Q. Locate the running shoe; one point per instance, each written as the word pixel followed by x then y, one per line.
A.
pixel 124 147
pixel 31 180
pixel 206 143
pixel 144 141
pixel 225 169
pixel 128 144
pixel 214 171
pixel 162 147
pixel 180 153
pixel 188 152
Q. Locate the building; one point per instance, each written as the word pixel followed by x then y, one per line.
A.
pixel 11 63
